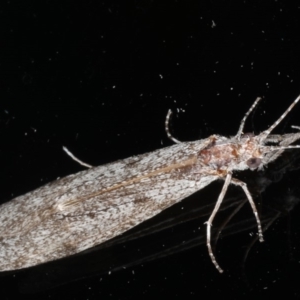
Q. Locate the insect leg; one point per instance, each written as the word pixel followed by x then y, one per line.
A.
pixel 167 122
pixel 76 159
pixel 243 185
pixel 211 218
pixel 240 131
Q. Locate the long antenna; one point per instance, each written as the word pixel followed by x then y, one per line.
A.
pixel 265 133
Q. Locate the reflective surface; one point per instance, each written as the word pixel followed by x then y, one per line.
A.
pixel 99 78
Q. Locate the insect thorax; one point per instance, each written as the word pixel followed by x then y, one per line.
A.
pixel 232 154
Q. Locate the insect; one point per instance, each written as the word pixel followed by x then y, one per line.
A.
pixel 85 209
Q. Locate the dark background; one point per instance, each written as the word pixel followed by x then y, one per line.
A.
pixel 99 78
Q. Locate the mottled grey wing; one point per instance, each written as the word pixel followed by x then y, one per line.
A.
pixel 85 209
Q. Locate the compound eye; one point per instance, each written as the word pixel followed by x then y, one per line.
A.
pixel 254 163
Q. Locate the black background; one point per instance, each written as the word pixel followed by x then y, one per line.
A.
pixel 99 78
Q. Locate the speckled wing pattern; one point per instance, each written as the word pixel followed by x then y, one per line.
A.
pixel 85 209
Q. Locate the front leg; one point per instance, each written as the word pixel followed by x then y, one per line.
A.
pixel 211 218
pixel 243 185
